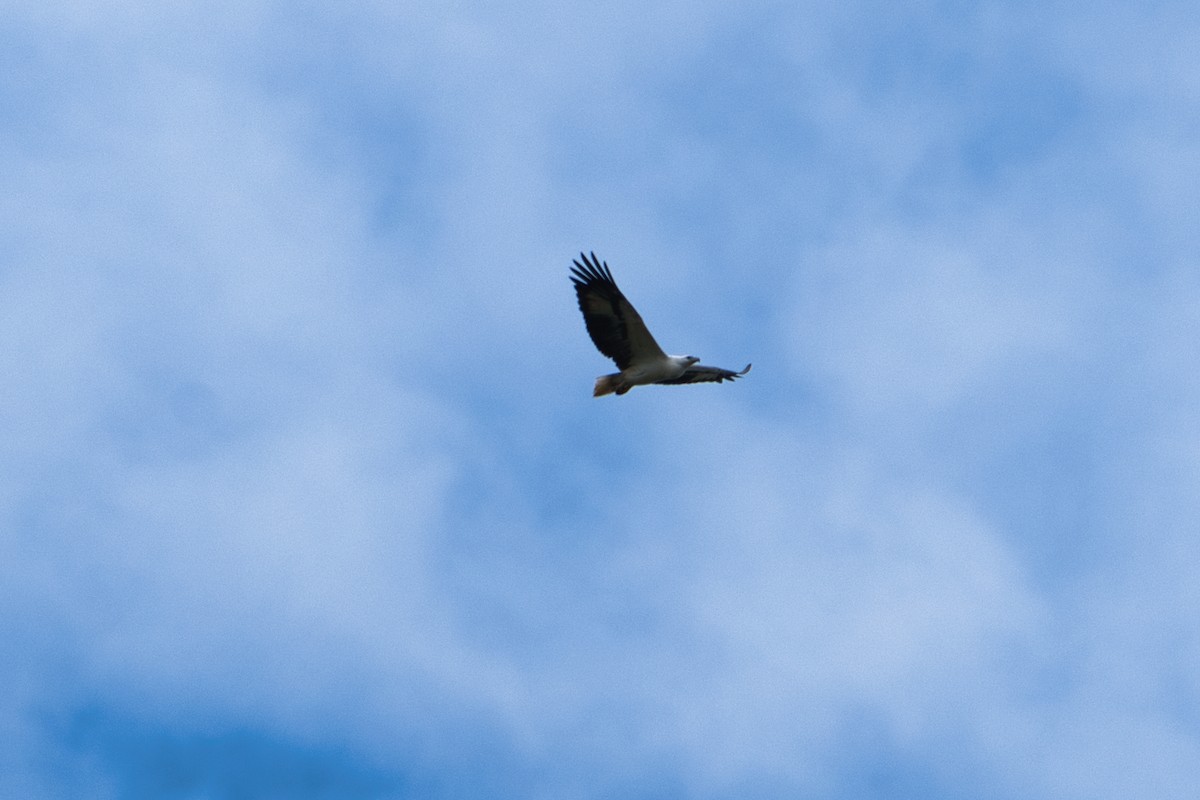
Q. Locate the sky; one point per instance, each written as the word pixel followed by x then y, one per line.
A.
pixel 303 492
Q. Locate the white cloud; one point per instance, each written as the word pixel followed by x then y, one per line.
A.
pixel 275 463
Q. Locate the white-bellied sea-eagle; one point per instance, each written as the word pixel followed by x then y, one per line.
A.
pixel 619 333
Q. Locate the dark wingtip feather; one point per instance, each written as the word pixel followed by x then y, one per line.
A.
pixel 592 269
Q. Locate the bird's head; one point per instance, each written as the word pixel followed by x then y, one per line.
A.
pixel 691 360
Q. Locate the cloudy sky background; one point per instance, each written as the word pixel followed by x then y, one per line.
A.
pixel 303 492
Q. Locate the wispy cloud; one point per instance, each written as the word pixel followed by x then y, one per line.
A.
pixel 303 491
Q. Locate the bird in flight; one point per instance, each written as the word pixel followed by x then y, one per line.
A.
pixel 618 332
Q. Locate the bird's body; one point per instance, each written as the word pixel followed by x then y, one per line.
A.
pixel 618 332
pixel 657 371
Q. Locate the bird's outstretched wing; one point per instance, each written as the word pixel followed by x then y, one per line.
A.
pixel 613 323
pixel 698 373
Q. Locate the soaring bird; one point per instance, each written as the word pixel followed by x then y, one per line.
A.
pixel 619 333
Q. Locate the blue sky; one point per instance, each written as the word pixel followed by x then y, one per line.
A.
pixel 303 492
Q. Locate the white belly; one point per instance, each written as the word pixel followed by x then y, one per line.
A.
pixel 652 372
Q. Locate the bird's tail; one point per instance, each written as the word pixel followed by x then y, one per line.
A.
pixel 607 384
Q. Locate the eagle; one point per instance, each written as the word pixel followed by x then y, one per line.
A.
pixel 618 332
